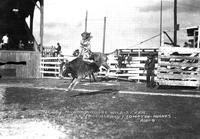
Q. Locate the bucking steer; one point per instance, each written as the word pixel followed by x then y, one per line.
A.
pixel 80 69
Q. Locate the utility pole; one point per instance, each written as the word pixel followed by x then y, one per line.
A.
pixel 86 21
pixel 41 24
pixel 175 22
pixel 161 22
pixel 104 35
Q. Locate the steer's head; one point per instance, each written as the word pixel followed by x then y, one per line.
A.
pixel 64 69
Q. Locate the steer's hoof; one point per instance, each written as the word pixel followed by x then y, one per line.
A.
pixel 69 89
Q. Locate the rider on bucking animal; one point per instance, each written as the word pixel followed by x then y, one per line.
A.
pixel 85 46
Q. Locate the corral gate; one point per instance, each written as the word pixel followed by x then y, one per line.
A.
pixel 178 66
pixel 50 66
pixel 133 69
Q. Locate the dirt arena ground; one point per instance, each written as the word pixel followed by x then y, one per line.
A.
pixel 44 109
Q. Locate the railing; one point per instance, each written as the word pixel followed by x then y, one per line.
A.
pixel 132 70
pixel 176 66
pixel 50 66
pixel 179 66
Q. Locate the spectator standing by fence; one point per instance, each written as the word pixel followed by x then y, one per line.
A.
pixel 120 63
pixel 149 67
pixel 129 59
pixel 58 50
pixel 120 60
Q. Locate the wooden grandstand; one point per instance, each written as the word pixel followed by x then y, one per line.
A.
pixel 12 22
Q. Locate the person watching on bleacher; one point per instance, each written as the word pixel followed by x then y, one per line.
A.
pixel 5 40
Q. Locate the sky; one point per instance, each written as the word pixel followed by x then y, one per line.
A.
pixel 128 22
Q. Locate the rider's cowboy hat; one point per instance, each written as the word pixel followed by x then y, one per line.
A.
pixel 86 35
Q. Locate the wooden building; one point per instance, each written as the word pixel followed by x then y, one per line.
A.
pixel 180 66
pixel 21 55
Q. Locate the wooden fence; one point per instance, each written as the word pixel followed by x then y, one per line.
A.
pixel 29 67
pixel 50 66
pixel 133 69
pixel 178 66
pixel 133 65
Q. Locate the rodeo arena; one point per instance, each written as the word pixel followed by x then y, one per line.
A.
pixel 134 93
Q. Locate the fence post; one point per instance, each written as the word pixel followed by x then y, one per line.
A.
pixel 139 55
pixel 41 60
pixel 198 71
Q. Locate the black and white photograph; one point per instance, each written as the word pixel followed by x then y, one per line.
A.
pixel 99 69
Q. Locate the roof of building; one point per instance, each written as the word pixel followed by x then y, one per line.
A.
pixel 23 7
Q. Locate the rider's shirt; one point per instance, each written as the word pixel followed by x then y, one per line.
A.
pixel 85 48
pixel 85 44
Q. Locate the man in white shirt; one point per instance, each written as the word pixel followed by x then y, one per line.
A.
pixel 5 41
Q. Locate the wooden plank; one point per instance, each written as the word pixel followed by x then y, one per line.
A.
pixel 50 77
pixel 53 63
pixel 178 76
pixel 182 50
pixel 57 58
pixel 127 75
pixel 139 58
pixel 179 57
pixel 138 71
pixel 32 59
pixel 137 78
pixel 48 67
pixel 166 70
pixel 126 69
pixel 131 51
pixel 178 64
pixel 178 83
pixel 8 72
pixel 141 65
pixel 131 63
pixel 53 72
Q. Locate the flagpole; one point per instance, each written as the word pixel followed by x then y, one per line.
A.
pixel 86 21
pixel 175 22
pixel 161 22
